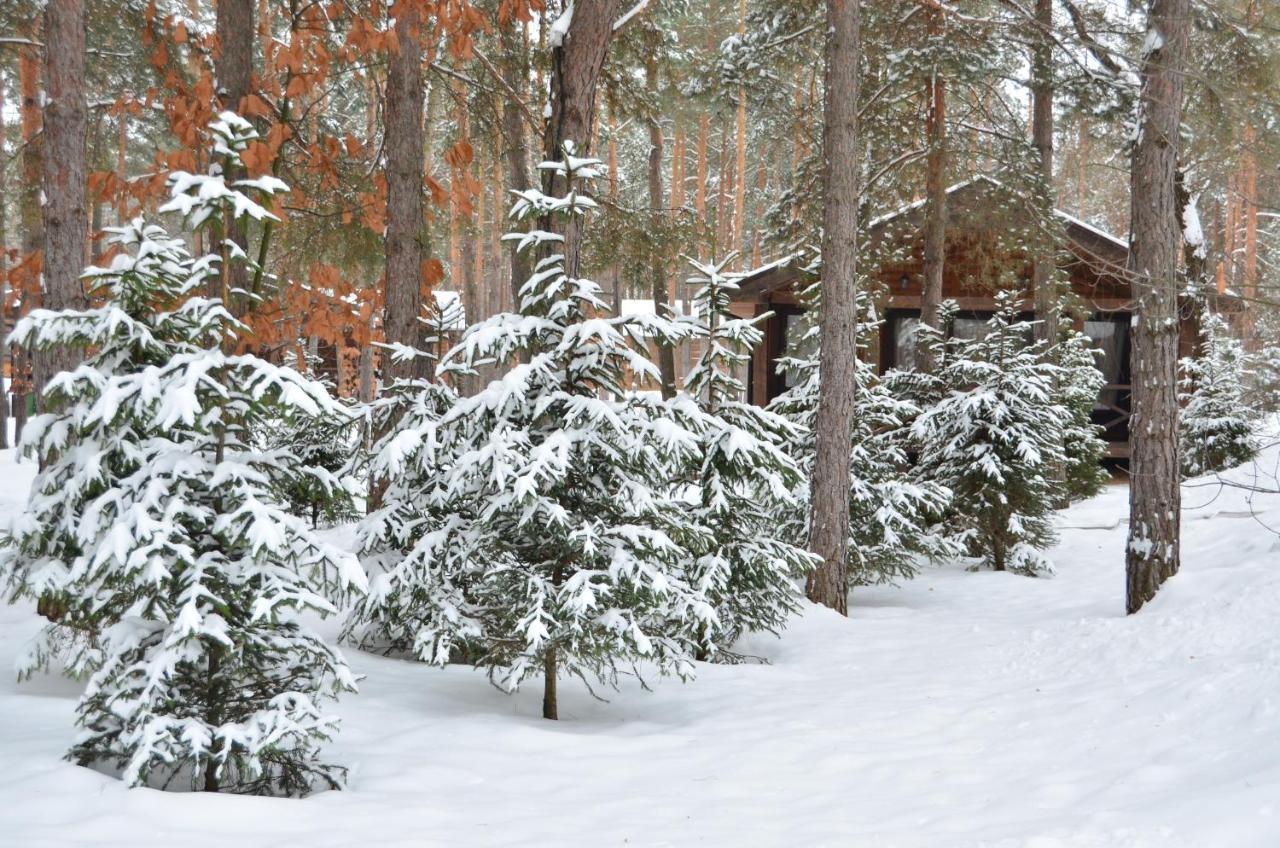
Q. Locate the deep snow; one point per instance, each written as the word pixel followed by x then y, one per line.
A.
pixel 961 709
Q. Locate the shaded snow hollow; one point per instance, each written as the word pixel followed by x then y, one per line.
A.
pixel 961 709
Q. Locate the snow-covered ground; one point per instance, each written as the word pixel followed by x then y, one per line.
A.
pixel 962 709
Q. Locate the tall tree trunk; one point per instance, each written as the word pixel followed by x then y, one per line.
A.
pixel 1152 555
pixel 828 584
pixel 515 53
pixel 32 221
pixel 724 185
pixel 403 142
pixel 233 67
pixel 1249 208
pixel 66 207
pixel 1043 265
pixel 576 63
pixel 935 189
pixel 740 161
pixel 615 272
pixel 1046 296
pixel 657 214
pixel 4 281
pixel 700 187
pixel 575 72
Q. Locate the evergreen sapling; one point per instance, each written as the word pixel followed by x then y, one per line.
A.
pixel 155 526
pixel 531 527
pixel 1216 422
pixel 994 438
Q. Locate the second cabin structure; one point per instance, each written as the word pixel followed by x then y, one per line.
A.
pixel 986 251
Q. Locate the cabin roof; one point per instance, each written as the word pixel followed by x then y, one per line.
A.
pixel 1087 241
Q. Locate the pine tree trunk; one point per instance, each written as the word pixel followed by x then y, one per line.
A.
pixel 516 68
pixel 575 72
pixel 828 584
pixel 1046 300
pixel 233 68
pixel 935 214
pixel 65 208
pixel 740 166
pixel 700 187
pixel 615 271
pixel 1249 203
pixel 657 214
pixel 31 219
pixel 1044 265
pixel 1152 554
pixel 549 705
pixel 4 283
pixel 404 169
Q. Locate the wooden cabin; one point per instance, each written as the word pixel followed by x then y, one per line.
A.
pixel 986 250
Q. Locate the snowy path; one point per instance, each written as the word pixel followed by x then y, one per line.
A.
pixel 963 709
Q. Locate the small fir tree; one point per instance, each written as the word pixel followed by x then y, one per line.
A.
pixel 1262 366
pixel 1078 384
pixel 893 519
pixel 1216 423
pixel 155 526
pixel 532 527
pixel 994 438
pixel 744 478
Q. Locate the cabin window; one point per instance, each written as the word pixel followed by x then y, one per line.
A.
pixel 903 331
pixel 792 335
pixel 1112 338
pixel 1110 334
pixel 969 328
pixel 904 348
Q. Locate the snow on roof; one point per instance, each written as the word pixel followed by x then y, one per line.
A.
pixel 916 204
pixel 983 178
pixel 1085 225
pixel 780 262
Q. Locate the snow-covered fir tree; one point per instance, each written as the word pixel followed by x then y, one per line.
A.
pixel 1077 386
pixel 893 519
pixel 1262 366
pixel 1216 423
pixel 531 528
pixel 154 525
pixel 994 439
pixel 744 478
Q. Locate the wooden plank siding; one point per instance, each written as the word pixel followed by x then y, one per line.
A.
pixel 986 251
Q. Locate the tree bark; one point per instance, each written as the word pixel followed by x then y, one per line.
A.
pixel 404 166
pixel 828 584
pixel 700 186
pixel 657 267
pixel 65 208
pixel 5 350
pixel 549 706
pixel 740 161
pixel 233 67
pixel 1152 555
pixel 31 219
pixel 575 72
pixel 935 215
pixel 515 51
pixel 1043 265
pixel 1046 295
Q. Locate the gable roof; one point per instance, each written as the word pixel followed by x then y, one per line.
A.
pixel 1088 242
